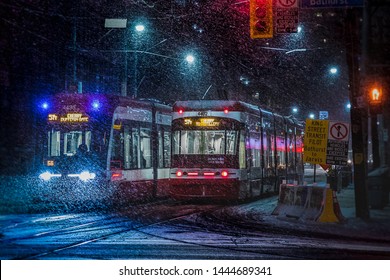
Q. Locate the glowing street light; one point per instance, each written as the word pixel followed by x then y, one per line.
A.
pixel 333 70
pixel 312 116
pixel 140 28
pixel 190 58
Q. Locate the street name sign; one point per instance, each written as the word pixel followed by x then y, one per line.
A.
pixel 331 3
pixel 323 115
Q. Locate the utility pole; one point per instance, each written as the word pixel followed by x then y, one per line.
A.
pixel 358 110
pixel 118 23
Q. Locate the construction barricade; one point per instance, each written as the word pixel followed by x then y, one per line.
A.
pixel 308 202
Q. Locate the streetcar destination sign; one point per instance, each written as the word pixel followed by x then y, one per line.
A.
pixel 203 122
pixel 331 3
pixel 68 118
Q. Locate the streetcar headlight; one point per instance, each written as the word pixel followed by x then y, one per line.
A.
pixel 45 176
pixel 179 173
pixel 86 175
pixel 224 173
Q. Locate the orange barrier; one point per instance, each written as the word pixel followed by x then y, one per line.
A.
pixel 308 203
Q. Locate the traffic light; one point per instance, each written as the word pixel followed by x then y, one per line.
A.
pixel 260 19
pixel 375 95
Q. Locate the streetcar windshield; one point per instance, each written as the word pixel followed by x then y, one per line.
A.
pixel 67 143
pixel 205 142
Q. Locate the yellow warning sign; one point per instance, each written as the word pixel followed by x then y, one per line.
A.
pixel 316 139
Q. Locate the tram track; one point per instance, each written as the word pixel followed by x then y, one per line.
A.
pixel 227 222
pixel 243 228
pixel 222 228
pixel 111 225
pixel 194 218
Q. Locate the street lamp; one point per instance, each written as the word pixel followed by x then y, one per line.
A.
pixel 295 110
pixel 375 100
pixel 139 28
pixel 333 70
pixel 312 116
pixel 190 58
pixel 116 23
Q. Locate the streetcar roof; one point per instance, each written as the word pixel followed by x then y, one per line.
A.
pixel 108 102
pixel 219 105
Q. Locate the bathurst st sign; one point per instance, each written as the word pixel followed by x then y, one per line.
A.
pixel 331 3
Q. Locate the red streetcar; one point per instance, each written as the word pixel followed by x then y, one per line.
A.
pixel 232 150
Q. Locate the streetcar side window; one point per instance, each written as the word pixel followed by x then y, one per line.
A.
pixel 164 151
pixel 117 149
pixel 241 151
pixel 255 149
pixel 132 147
pixel 127 143
pixel 135 148
pixel 269 146
pixel 266 147
pixel 291 150
pixel 176 142
pixel 146 150
pixel 299 146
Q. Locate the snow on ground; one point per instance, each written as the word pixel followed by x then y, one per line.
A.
pixel 24 195
pixel 377 227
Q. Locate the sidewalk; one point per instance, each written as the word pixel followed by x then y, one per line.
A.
pixel 377 217
pixel 377 227
pixel 346 198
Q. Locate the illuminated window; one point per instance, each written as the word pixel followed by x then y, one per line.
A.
pixel 72 140
pixel 54 143
pixel 216 142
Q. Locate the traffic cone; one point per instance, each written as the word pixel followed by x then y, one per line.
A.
pixel 328 214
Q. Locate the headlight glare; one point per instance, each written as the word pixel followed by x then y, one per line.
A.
pixel 86 175
pixel 45 176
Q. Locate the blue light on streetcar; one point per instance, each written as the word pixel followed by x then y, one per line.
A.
pixel 96 105
pixel 45 105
